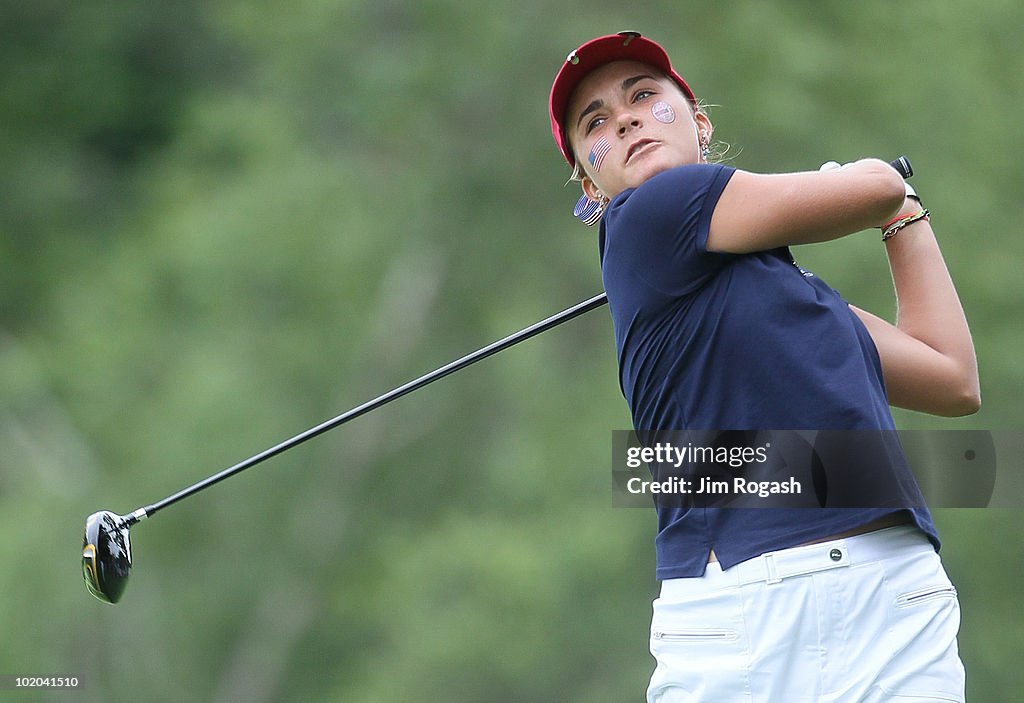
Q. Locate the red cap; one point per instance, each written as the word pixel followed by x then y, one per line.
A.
pixel 624 46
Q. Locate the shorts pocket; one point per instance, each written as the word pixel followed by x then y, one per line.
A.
pixel 699 664
pixel 695 635
pixel 906 600
pixel 926 665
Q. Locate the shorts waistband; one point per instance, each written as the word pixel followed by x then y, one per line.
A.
pixel 773 567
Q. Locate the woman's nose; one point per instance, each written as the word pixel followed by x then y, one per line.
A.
pixel 628 121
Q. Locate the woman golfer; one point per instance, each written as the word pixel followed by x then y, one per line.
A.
pixel 717 328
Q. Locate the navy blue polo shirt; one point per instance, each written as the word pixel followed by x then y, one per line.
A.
pixel 716 341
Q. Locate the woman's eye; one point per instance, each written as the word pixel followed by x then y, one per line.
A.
pixel 642 95
pixel 594 124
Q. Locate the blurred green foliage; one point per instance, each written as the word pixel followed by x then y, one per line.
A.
pixel 223 222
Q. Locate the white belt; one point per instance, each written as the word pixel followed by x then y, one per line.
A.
pixel 773 567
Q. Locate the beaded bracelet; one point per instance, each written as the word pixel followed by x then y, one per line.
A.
pixel 889 230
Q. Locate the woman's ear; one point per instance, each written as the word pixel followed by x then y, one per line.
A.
pixel 590 189
pixel 704 127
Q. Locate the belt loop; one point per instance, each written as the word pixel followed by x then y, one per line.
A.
pixel 769 563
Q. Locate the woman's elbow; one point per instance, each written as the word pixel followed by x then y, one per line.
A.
pixel 952 394
pixel 964 400
pixel 891 190
pixel 969 403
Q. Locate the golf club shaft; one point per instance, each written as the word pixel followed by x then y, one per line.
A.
pixel 902 164
pixel 461 363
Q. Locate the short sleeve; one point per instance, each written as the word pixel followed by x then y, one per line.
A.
pixel 655 236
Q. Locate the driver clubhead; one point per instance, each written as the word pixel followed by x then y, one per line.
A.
pixel 106 555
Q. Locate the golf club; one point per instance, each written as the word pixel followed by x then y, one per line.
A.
pixel 106 545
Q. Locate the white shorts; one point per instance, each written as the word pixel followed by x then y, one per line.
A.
pixel 862 619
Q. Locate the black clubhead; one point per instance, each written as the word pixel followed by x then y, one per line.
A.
pixel 106 555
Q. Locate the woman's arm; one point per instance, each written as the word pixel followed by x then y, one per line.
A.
pixel 762 211
pixel 928 356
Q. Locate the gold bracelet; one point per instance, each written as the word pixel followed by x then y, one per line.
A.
pixel 893 227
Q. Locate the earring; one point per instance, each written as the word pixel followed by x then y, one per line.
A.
pixel 705 146
pixel 590 211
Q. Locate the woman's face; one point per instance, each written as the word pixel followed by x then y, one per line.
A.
pixel 626 123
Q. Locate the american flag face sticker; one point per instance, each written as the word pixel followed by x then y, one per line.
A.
pixel 600 150
pixel 663 112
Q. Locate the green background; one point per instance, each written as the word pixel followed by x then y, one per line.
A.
pixel 224 222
